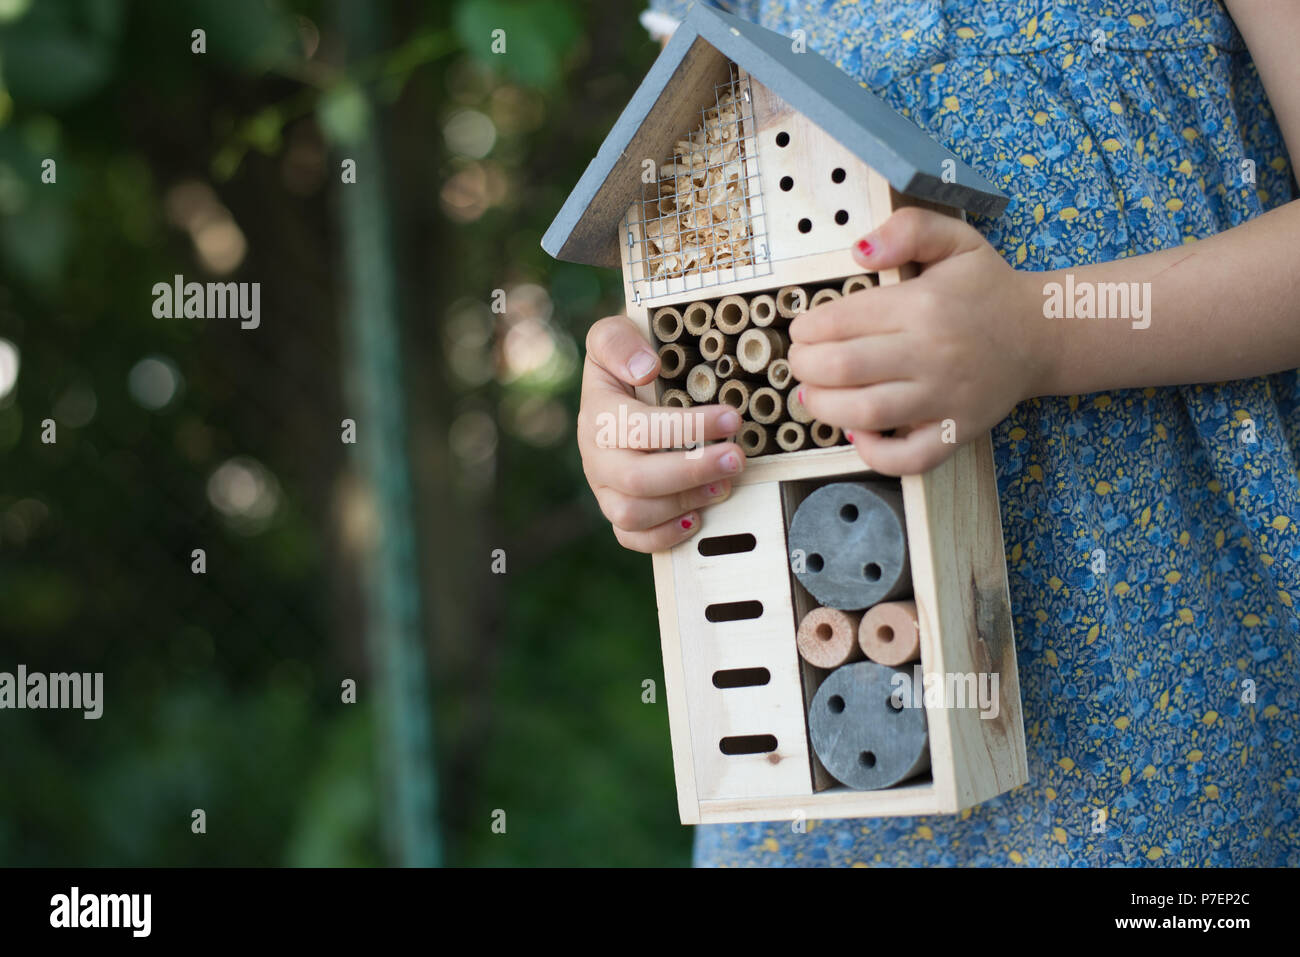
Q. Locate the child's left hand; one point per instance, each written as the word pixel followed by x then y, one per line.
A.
pixel 940 358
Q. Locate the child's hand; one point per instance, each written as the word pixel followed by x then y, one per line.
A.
pixel 651 498
pixel 940 358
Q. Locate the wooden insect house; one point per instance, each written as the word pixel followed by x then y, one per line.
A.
pixel 836 643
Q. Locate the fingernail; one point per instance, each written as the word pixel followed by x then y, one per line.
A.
pixel 848 435
pixel 801 396
pixel 714 491
pixel 865 247
pixel 688 524
pixel 729 422
pixel 730 462
pixel 641 365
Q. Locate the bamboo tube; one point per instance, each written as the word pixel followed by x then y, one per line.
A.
pixel 791 436
pixel 676 399
pixel 778 373
pixel 725 367
pixel 856 284
pixel 822 296
pixel 791 300
pixel 824 434
pixel 667 324
pixel 697 317
pixel 828 638
pixel 735 393
pixel 755 439
pixel 762 310
pixel 675 359
pixel 701 383
pixel 890 633
pixel 795 408
pixel 765 405
pixel 713 345
pixel 757 347
pixel 731 314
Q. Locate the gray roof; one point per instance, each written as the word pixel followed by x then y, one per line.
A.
pixel 585 230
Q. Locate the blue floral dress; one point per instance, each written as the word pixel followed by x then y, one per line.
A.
pixel 1151 535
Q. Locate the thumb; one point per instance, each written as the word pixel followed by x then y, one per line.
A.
pixel 915 235
pixel 617 346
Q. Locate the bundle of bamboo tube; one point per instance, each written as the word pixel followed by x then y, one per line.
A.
pixel 732 349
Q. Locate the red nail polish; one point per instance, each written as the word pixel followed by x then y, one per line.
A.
pixel 865 247
pixel 801 396
pixel 713 490
pixel 848 435
pixel 687 523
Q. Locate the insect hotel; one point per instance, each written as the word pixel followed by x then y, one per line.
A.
pixel 798 624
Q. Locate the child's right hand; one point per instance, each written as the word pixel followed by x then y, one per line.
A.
pixel 651 498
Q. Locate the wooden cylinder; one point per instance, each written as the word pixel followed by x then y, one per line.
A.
pixel 890 633
pixel 667 324
pixel 725 367
pixel 822 296
pixel 791 300
pixel 675 359
pixel 766 405
pixel 762 310
pixel 755 439
pixel 735 393
pixel 757 347
pixel 791 436
pixel 697 317
pixel 731 314
pixel 676 399
pixel 794 408
pixel 778 373
pixel 702 383
pixel 828 637
pixel 823 433
pixel 856 284
pixel 713 344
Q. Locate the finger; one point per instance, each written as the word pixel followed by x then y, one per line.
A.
pixel 915 235
pixel 665 473
pixel 873 311
pixel 616 346
pixel 622 422
pixel 853 362
pixel 639 514
pixel 661 537
pixel 909 453
pixel 875 408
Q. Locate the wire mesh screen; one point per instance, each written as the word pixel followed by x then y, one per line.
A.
pixel 701 220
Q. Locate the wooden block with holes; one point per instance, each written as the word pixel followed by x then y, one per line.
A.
pixel 729 193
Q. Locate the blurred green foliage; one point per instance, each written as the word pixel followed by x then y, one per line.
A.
pixel 222 689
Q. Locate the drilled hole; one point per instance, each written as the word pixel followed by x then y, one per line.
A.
pixel 748 744
pixel 727 544
pixel 835 703
pixel 867 759
pixel 805 225
pixel 764 405
pixel 783 138
pixel 815 563
pixel 842 217
pixel 837 175
pixel 787 184
pixel 741 678
pixel 849 513
pixel 733 610
pixel 825 632
pixel 871 572
pixel 885 634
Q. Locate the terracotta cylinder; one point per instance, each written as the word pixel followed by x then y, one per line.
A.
pixel 794 408
pixel 824 435
pixel 791 300
pixel 725 367
pixel 702 383
pixel 791 436
pixel 676 399
pixel 766 405
pixel 675 359
pixel 755 439
pixel 736 393
pixel 756 348
pixel 828 637
pixel 667 324
pixel 778 374
pixel 890 634
pixel 762 310
pixel 697 317
pixel 856 284
pixel 731 314
pixel 714 344
pixel 822 296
